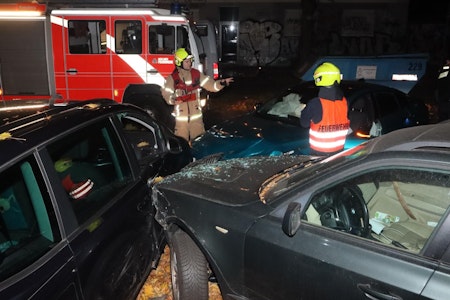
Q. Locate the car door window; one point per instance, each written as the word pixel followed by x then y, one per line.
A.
pixel 361 114
pixel 387 103
pixel 28 226
pixel 397 207
pixel 92 167
pixel 144 137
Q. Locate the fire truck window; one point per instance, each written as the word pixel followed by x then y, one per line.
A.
pixel 162 39
pixel 182 37
pixel 129 35
pixel 87 37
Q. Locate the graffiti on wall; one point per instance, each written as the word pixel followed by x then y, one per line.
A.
pixel 423 39
pixel 359 33
pixel 379 43
pixel 265 43
pixel 259 42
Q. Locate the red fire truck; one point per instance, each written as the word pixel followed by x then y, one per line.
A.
pixel 72 53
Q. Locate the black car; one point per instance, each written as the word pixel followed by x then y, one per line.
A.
pixel 273 128
pixel 369 223
pixel 76 217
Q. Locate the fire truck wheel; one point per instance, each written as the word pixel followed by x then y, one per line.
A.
pixel 148 97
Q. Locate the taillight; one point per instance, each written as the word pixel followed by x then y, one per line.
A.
pixel 216 70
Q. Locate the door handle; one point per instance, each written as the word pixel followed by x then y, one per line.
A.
pixel 72 71
pixel 373 294
pixel 152 71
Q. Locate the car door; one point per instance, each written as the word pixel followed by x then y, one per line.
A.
pixel 389 112
pixel 439 282
pixel 36 262
pixel 112 208
pixel 327 259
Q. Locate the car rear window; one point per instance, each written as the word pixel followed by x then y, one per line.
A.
pixel 92 166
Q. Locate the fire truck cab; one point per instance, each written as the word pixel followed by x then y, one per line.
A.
pixel 70 53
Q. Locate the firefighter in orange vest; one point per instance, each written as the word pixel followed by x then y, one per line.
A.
pixel 182 90
pixel 326 115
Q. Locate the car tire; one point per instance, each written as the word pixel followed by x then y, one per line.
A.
pixel 189 268
pixel 119 267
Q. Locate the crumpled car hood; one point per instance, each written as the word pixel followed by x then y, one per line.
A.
pixel 230 182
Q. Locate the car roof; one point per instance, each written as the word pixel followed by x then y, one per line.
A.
pixel 308 90
pixel 347 85
pixel 433 137
pixel 23 134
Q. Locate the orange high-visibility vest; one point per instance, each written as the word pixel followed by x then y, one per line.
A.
pixel 329 134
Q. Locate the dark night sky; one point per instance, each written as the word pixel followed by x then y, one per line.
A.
pixel 421 11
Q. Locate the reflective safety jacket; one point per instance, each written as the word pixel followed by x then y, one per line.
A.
pixel 190 89
pixel 329 134
pixel 182 90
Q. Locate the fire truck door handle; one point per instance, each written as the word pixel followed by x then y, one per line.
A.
pixel 153 71
pixel 72 71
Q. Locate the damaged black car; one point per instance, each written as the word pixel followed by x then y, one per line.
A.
pixel 369 223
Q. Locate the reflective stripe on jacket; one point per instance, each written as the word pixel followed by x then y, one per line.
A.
pixel 329 134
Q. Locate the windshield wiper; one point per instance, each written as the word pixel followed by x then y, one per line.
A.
pixel 274 181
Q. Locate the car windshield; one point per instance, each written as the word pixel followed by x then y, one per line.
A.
pixel 294 175
pixel 288 105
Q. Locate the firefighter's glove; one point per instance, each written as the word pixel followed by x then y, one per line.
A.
pixel 227 81
pixel 179 92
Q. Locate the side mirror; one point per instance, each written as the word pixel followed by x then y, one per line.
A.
pixel 291 219
pixel 174 146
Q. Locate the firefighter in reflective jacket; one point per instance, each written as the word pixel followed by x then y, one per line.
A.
pixel 182 90
pixel 326 115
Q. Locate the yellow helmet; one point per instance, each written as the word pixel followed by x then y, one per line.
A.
pixel 182 54
pixel 327 74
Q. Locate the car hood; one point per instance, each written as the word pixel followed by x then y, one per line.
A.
pixel 233 182
pixel 251 135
